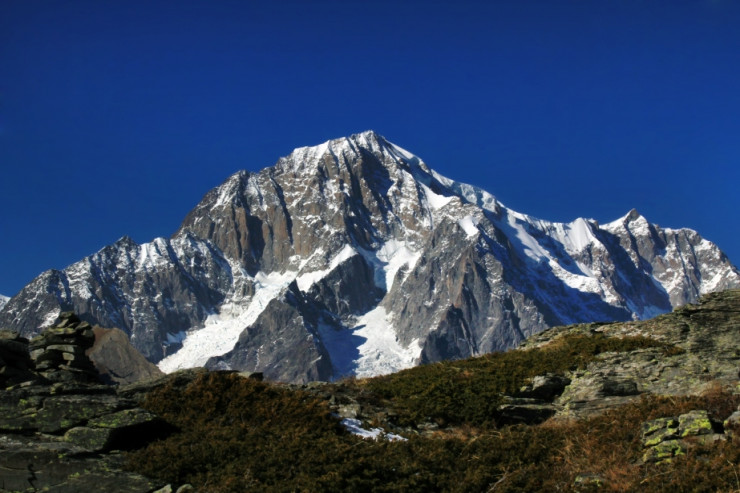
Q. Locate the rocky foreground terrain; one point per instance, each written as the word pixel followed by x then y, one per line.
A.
pixel 63 429
pixel 61 426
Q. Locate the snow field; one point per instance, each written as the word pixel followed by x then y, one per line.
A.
pixel 221 331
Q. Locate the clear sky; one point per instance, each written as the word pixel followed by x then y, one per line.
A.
pixel 117 116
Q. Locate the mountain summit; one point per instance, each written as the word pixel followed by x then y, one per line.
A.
pixel 354 257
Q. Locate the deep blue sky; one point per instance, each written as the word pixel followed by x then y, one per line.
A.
pixel 116 117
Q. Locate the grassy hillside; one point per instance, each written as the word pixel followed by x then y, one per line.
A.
pixel 237 434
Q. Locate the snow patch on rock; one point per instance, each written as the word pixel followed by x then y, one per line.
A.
pixel 469 224
pixel 354 426
pixel 221 331
pixel 305 281
pixel 381 352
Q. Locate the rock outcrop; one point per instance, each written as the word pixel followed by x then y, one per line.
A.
pixel 706 353
pixel 117 361
pixel 665 438
pixel 61 428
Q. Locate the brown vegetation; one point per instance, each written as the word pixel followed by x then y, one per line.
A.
pixel 238 434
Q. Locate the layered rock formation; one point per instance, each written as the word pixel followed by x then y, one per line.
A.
pixel 707 341
pixel 59 355
pixel 61 429
pixel 373 262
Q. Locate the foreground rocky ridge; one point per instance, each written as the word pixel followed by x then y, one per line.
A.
pixel 61 427
pixel 63 430
pixel 373 263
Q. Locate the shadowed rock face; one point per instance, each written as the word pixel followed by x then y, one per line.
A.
pixel 366 228
pixel 117 361
pixel 281 343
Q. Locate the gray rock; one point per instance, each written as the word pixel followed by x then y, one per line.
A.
pixel 524 411
pixel 90 439
pixel 589 482
pixel 61 413
pixel 117 361
pixel 732 424
pixel 665 450
pixel 665 438
pixel 659 430
pixel 545 387
pixel 351 410
pixel 695 423
pixel 619 387
pixel 704 341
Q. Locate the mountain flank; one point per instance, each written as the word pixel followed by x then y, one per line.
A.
pixel 354 257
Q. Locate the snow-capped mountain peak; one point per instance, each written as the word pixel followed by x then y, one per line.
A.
pixel 354 257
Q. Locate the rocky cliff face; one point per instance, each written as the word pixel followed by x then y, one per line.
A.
pixel 354 257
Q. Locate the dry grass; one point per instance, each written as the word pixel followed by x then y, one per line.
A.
pixel 241 435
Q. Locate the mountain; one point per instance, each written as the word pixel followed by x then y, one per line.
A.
pixel 354 257
pixel 3 301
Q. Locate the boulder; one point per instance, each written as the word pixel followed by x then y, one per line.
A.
pixel 523 411
pixel 664 438
pixel 659 430
pixel 545 387
pixel 732 423
pixel 695 423
pixel 664 451
pixel 15 364
pixel 117 361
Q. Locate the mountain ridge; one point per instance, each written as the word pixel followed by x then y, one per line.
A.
pixel 374 262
